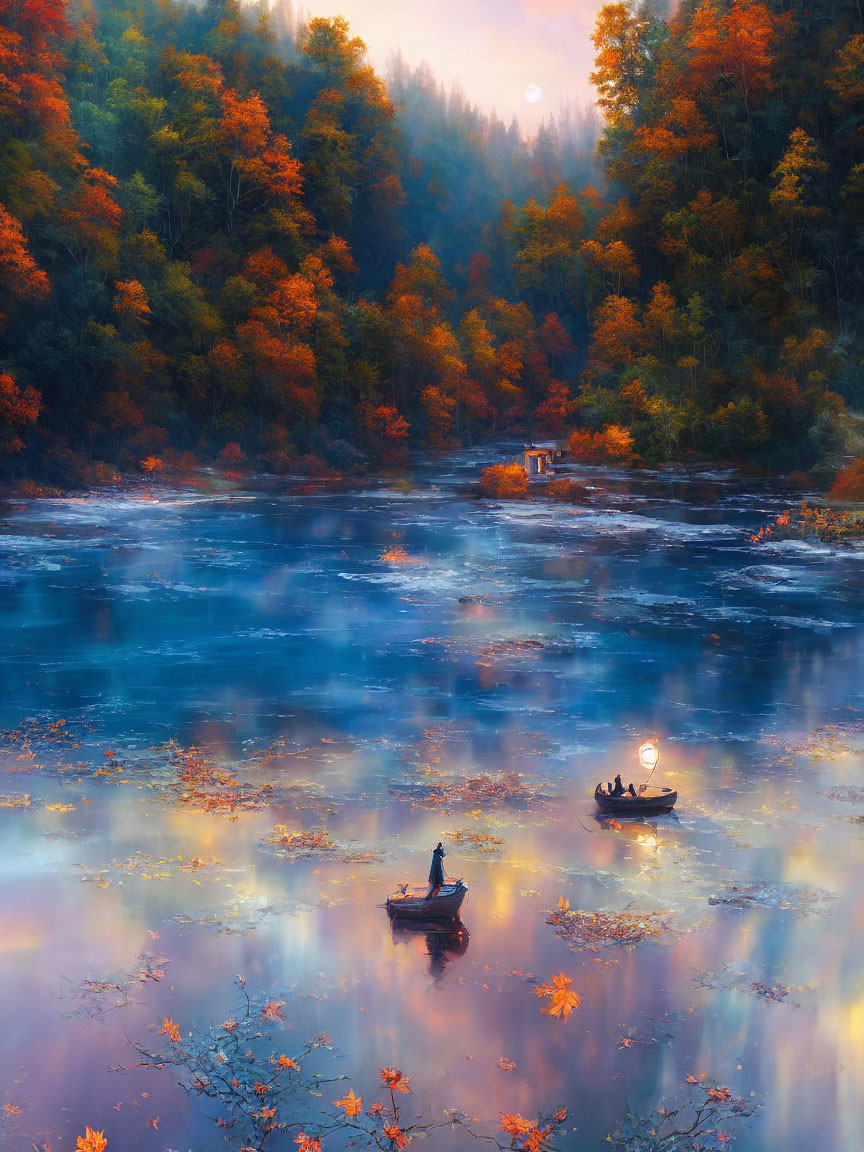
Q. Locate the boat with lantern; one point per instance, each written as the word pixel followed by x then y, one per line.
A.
pixel 646 800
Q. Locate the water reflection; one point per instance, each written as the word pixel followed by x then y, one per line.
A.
pixel 362 705
pixel 443 943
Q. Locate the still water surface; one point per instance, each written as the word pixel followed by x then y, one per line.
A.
pixel 350 659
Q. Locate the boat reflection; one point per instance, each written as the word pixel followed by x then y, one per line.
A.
pixel 442 942
pixel 634 828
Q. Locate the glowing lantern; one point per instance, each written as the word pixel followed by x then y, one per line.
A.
pixel 649 754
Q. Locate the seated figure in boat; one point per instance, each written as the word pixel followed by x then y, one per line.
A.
pixel 436 872
pixel 619 788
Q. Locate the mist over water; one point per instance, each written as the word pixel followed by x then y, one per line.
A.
pixel 355 660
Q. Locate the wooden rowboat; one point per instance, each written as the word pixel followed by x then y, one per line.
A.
pixel 647 801
pixel 413 904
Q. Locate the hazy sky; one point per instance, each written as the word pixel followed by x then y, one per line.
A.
pixel 494 48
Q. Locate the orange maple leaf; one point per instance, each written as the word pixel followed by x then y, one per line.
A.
pixel 394 1132
pixel 170 1029
pixel 352 1104
pixel 514 1124
pixel 506 1065
pixel 691 1079
pixel 11 1110
pixel 284 1062
pixel 561 1000
pixel 395 1081
pixel 307 1143
pixel 272 1010
pixel 560 1115
pixel 153 1122
pixel 719 1095
pixel 91 1141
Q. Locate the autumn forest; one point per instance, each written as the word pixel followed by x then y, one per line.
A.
pixel 223 236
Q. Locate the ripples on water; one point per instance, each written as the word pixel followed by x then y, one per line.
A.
pixel 356 694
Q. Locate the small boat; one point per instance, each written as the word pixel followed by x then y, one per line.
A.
pixel 413 903
pixel 646 802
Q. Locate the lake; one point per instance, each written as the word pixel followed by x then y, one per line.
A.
pixel 234 717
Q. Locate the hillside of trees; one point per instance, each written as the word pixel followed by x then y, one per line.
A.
pixel 222 235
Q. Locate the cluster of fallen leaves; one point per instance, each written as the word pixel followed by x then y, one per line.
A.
pixel 845 794
pixel 197 779
pixel 146 866
pixel 481 842
pixel 295 843
pixel 595 930
pixel 826 743
pixel 16 800
pixel 486 789
pixel 34 732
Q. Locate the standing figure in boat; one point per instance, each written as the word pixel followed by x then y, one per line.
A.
pixel 436 872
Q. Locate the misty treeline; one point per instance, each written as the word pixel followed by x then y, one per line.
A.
pixel 223 235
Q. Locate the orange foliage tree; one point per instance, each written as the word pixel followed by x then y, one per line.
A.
pixel 19 408
pixel 849 482
pixel 504 482
pixel 614 445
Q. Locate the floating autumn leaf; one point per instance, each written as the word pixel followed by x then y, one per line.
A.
pixel 719 1095
pixel 399 1138
pixel 285 1062
pixel 307 1143
pixel 153 1122
pixel 395 1081
pixel 11 1110
pixel 230 1025
pixel 272 1010
pixel 91 1141
pixel 561 1000
pixel 559 1115
pixel 352 1104
pixel 260 1089
pixel 691 1079
pixel 170 1029
pixel 506 1065
pixel 515 1125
